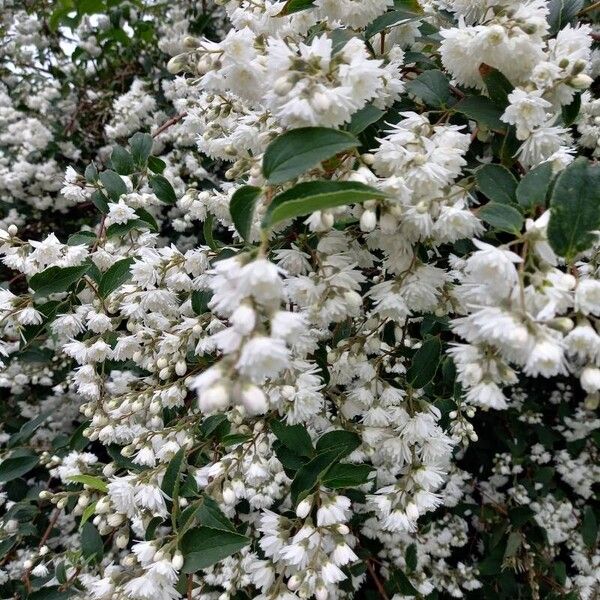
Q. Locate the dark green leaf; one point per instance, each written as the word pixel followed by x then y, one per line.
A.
pixel 242 207
pixel 589 528
pixel 27 430
pixel 575 206
pixel 122 161
pixel 399 582
pixel 424 363
pixel 512 545
pixel 117 274
pixel 497 183
pixel 342 441
pixel 92 546
pixel 16 466
pixel 305 198
pixel 145 216
pixel 170 482
pixel 363 118
pixel 562 12
pixel 156 165
pixel 482 110
pixel 6 546
pixel 57 279
pixel 295 437
pixel 141 147
pixel 293 6
pixel 113 184
pixel 205 546
pixel 295 152
pixel 346 475
pixel 91 173
pixel 200 300
pixel 502 217
pixel 498 86
pixel 433 87
pixel 162 188
pixel 82 238
pixel 308 474
pixel 50 593
pixel 533 188
pixel 210 515
pixel 389 19
pixel 99 200
pixel 411 557
pixel 570 112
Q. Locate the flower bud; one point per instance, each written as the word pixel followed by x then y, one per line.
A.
pixel 177 561
pixel 368 221
pixel 254 400
pixel 303 508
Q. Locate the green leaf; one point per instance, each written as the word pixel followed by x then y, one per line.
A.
pixel 502 217
pixel 498 86
pixel 210 515
pixel 27 430
pixel 389 19
pixel 200 300
pixel 497 183
pixel 113 184
pixel 122 161
pixel 87 513
pixel 121 229
pixel 205 546
pixel 293 6
pixel 57 279
pixel 82 238
pixel 156 165
pixel 170 482
pixel 16 466
pixel 91 173
pixel 92 546
pixel 117 274
pixel 342 441
pixel 6 545
pixel 366 116
pixel 533 188
pixel 305 198
pixel 575 209
pixel 411 557
pixel 162 188
pixel 90 481
pixel 295 152
pixel 346 475
pixel 424 363
pixel 141 147
pixel 513 544
pixel 145 216
pixel 308 474
pixel 570 112
pixel 241 208
pixel 294 437
pixel 50 593
pixel 482 110
pixel 433 87
pixel 589 527
pixel 99 200
pixel 562 12
pixel 399 582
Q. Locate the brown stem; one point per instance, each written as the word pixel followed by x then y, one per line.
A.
pixel 42 541
pixel 168 123
pixel 589 8
pixel 377 581
pixel 190 585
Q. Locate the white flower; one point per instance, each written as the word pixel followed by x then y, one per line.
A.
pixel 263 357
pixel 527 110
pixel 119 213
pixel 587 297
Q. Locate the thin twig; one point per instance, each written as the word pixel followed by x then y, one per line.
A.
pixel 589 8
pixel 378 583
pixel 168 123
pixel 42 541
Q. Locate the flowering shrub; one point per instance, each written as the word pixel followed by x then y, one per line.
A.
pixel 301 299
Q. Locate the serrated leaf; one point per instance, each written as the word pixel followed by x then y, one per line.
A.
pixel 140 145
pixel 308 474
pixel 306 198
pixel 575 209
pixel 16 466
pixel 502 217
pixel 562 12
pixel 210 515
pixel 342 441
pixel 57 279
pixel 170 481
pixel 241 208
pixel 113 184
pixel 117 275
pixel 433 87
pixel 90 481
pixel 156 165
pixel 205 546
pixel 424 363
pixel 366 116
pixel 294 437
pixel 299 150
pixel 482 110
pixel 533 188
pixel 497 183
pixel 122 161
pixel 200 300
pixel 346 475
pixel 162 188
